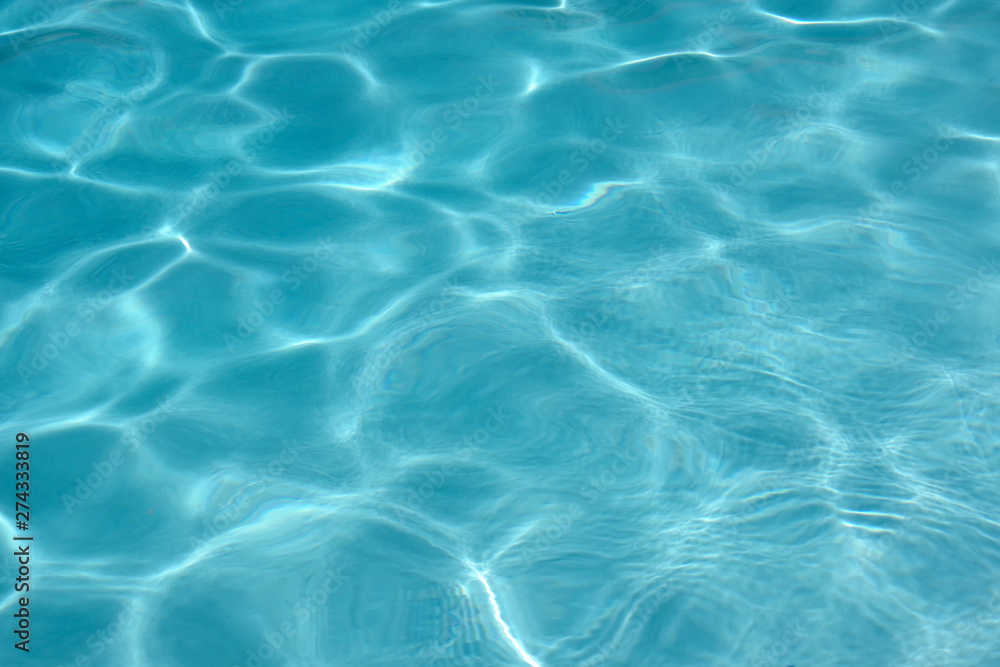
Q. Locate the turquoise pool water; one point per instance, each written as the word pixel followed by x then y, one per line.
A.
pixel 481 333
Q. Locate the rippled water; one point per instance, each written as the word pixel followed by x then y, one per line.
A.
pixel 473 333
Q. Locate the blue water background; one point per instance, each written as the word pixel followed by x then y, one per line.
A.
pixel 481 333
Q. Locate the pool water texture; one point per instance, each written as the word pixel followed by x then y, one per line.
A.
pixel 468 332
